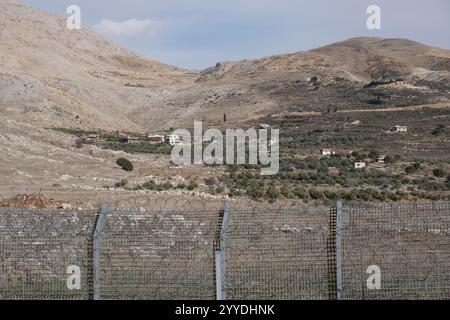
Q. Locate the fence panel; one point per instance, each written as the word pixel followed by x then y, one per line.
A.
pixel 268 253
pixel 410 243
pixel 158 255
pixel 36 249
pixel 280 254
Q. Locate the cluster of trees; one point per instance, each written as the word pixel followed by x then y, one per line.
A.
pixel 271 192
pixel 154 186
pixel 143 147
pixel 305 179
pixel 320 177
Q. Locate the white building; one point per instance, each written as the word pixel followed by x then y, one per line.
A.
pixel 92 137
pixel 153 139
pixel 381 159
pixel 327 152
pixel 173 139
pixel 401 129
pixel 360 165
pixel 134 140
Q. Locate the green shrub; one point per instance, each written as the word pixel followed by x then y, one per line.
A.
pixel 219 190
pixel 125 164
pixel 316 194
pixel 394 197
pixel 389 159
pixel 350 195
pixel 381 196
pixel 439 172
pixel 286 192
pixel 438 130
pixel 149 185
pixel 374 155
pixel 331 195
pixel 121 183
pixel 412 168
pixel 134 148
pixel 192 185
pixel 272 193
pixel 301 193
pixel 405 181
pixel 365 195
pixel 167 186
pixel 234 192
pixel 254 191
pixel 323 169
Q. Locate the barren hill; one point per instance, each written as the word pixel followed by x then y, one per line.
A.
pixel 360 59
pixel 54 77
pixel 332 76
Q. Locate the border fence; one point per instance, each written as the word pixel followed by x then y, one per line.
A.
pixel 346 251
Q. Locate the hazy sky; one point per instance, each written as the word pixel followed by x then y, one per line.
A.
pixel 198 33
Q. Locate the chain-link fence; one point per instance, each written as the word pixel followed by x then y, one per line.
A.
pixel 350 251
pixel 37 249
pixel 279 254
pixel 409 243
pixel 159 255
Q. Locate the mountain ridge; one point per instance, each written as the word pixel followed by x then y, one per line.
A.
pixel 53 77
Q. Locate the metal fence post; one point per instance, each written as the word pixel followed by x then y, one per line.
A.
pixel 100 225
pixel 220 256
pixel 339 250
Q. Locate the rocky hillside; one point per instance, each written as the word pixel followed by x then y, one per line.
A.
pixel 358 59
pixel 54 77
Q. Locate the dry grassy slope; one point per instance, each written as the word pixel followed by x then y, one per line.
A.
pixel 51 76
pixel 358 59
pixel 371 58
pixel 278 84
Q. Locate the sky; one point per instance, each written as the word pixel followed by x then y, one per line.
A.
pixel 196 34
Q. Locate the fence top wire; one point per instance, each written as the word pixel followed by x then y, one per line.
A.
pixel 46 223
pixel 397 206
pixel 407 217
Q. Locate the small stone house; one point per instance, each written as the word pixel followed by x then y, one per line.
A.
pixel 133 140
pixel 91 138
pixel 155 139
pixel 401 129
pixel 360 165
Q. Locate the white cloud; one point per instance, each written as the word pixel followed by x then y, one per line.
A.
pixel 129 28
